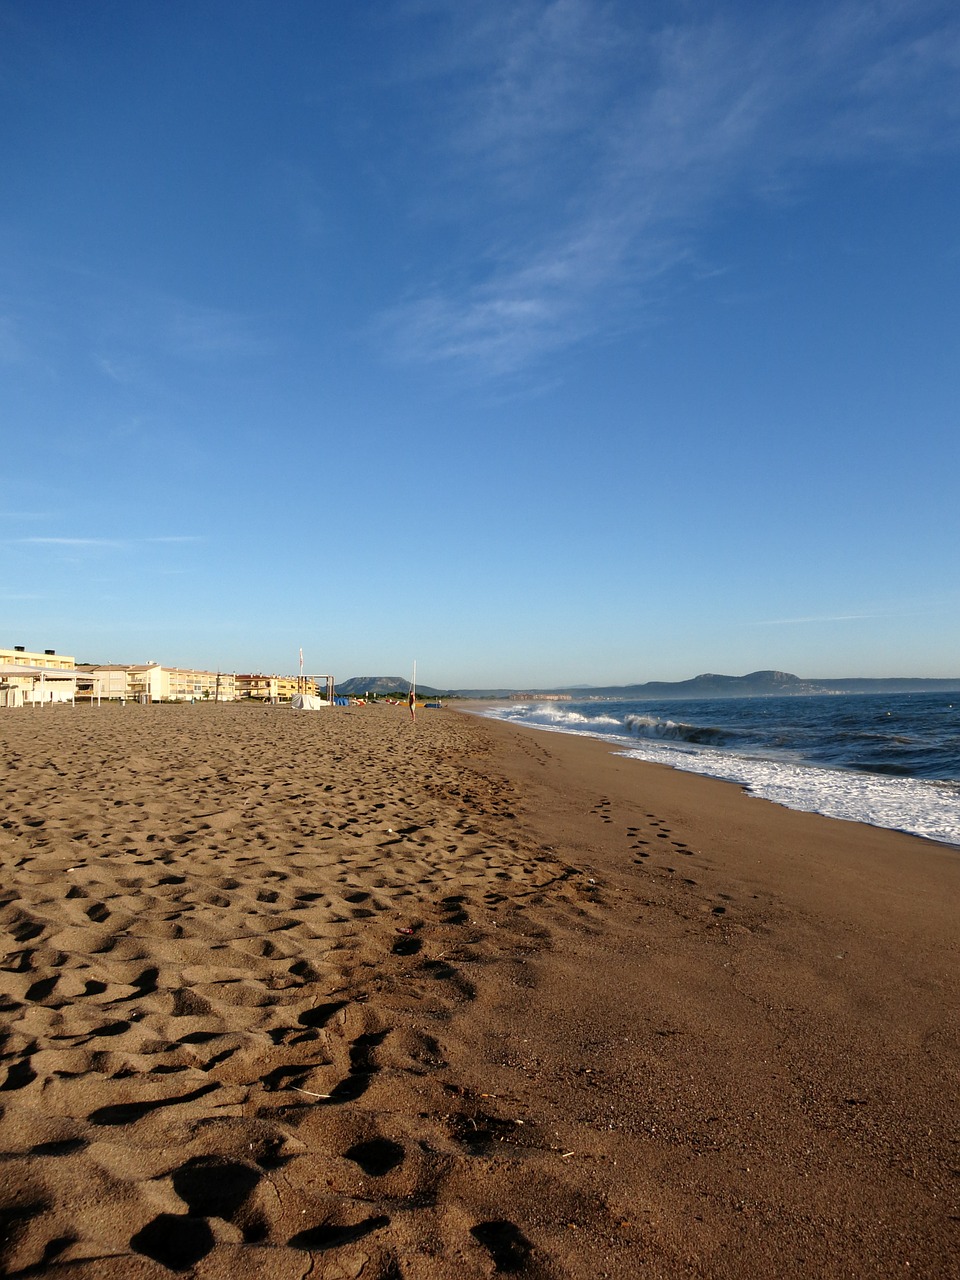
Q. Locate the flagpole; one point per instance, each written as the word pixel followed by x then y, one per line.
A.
pixel 413 687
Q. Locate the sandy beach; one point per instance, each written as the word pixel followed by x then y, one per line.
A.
pixel 337 995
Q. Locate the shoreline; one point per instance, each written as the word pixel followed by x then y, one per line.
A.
pixel 793 978
pixel 737 771
pixel 329 989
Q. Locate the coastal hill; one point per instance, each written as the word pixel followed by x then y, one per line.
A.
pixel 757 684
pixel 361 686
pixel 767 684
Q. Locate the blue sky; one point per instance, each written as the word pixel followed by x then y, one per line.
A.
pixel 584 341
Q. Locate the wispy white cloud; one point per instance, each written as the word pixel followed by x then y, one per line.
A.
pixel 884 78
pixel 600 146
pixel 122 369
pixel 207 333
pixel 73 542
pixel 99 543
pixel 545 71
pixel 141 334
pixel 838 617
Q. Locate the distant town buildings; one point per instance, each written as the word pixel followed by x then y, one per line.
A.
pixel 153 682
pixel 541 697
pixel 27 678
pixel 33 678
pixel 272 688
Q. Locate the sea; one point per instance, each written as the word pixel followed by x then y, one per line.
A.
pixel 886 760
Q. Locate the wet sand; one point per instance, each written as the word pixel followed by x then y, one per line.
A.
pixel 330 994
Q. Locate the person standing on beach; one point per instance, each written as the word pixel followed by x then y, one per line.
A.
pixel 412 703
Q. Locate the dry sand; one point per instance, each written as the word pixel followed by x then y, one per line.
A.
pixel 332 995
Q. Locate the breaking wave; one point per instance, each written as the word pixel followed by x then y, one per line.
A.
pixel 849 758
pixel 677 731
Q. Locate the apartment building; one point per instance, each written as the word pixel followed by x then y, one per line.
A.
pixel 109 682
pixel 153 682
pixel 287 686
pixel 256 686
pixel 27 677
pixel 36 678
pixel 49 659
pixel 183 684
pixel 273 688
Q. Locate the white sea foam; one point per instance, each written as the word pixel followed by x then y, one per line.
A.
pixel 922 808
pixel 916 806
pixel 553 715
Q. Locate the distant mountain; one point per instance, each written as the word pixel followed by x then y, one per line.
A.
pixel 757 684
pixel 358 686
pixel 769 684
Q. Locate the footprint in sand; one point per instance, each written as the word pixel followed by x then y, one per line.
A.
pixel 130 1112
pixel 326 1236
pixel 19 1075
pixel 211 1187
pixel 176 1242
pixel 720 910
pixel 454 904
pixel 506 1244
pixel 234 950
pixel 602 809
pixel 377 1156
pixel 363 1067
